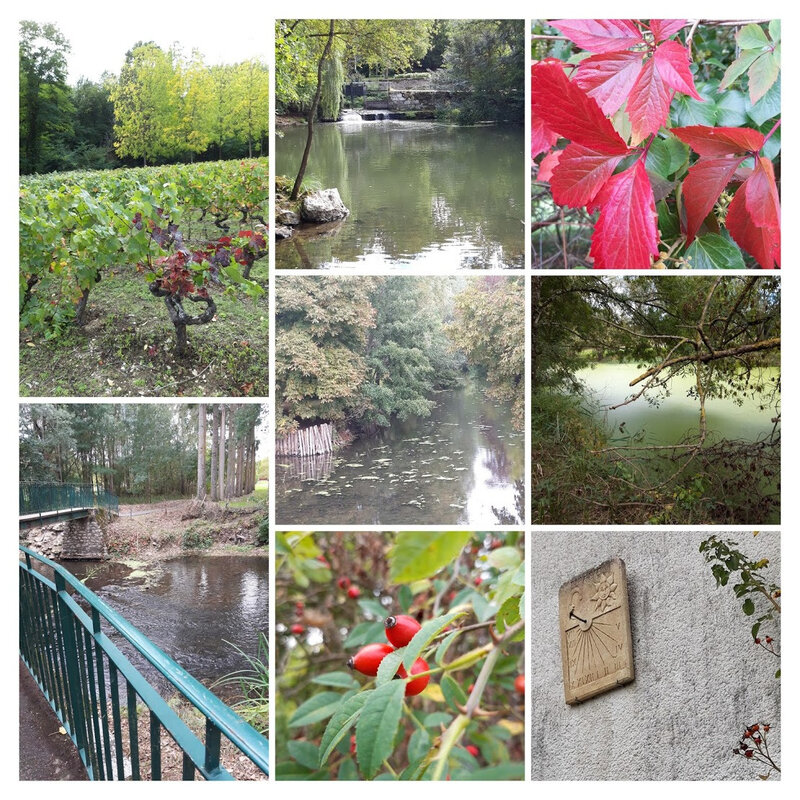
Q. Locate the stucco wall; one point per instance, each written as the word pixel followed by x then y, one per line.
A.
pixel 700 679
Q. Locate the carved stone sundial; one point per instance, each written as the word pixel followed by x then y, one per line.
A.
pixel 595 624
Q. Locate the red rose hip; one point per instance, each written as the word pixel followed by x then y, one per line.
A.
pixel 418 684
pixel 472 750
pixel 400 630
pixel 343 582
pixel 297 629
pixel 519 684
pixel 368 658
pixel 354 592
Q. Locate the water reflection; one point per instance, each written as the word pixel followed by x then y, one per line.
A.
pixel 462 465
pixel 439 196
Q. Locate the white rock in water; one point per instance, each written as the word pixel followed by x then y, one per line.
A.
pixel 323 206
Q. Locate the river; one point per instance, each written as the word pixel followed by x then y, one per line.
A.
pixel 195 608
pixel 462 465
pixel 426 194
pixel 676 415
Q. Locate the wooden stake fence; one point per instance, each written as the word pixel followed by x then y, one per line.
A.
pixel 313 441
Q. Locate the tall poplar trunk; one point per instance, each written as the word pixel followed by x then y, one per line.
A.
pixel 231 452
pixel 221 459
pixel 201 451
pixel 215 415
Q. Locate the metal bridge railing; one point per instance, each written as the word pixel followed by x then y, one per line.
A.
pixel 97 693
pixel 41 498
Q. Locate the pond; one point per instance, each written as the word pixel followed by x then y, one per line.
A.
pixel 194 608
pixel 420 194
pixel 676 415
pixel 462 465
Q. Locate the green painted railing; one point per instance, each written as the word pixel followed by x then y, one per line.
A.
pixel 101 699
pixel 42 499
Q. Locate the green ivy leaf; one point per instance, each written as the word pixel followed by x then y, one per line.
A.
pixel 714 251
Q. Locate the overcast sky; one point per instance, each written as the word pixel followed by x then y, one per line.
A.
pixel 100 33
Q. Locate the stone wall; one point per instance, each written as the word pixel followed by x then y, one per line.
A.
pixel 84 540
pixel 422 99
pixel 699 678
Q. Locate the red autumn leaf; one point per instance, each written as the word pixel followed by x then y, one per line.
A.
pixel 761 196
pixel 626 235
pixel 609 78
pixel 567 110
pixel 542 139
pixel 720 141
pixel 547 165
pixel 664 28
pixel 763 243
pixel 580 175
pixel 600 35
pixel 648 104
pixel 702 188
pixel 672 62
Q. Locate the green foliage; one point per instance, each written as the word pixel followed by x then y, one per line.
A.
pixel 416 555
pixel 749 584
pixel 489 327
pixel 196 537
pixel 368 729
pixel 75 228
pixel 332 81
pixel 262 537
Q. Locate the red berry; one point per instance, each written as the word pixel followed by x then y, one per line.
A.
pixel 353 745
pixel 353 592
pixel 758 641
pixel 400 630
pixel 748 753
pixel 478 580
pixel 494 544
pixel 299 606
pixel 368 658
pixel 472 750
pixel 418 684
pixel 343 582
pixel 471 687
pixel 768 640
pixel 323 560
pixel 297 629
pixel 519 684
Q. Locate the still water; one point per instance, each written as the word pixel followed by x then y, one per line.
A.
pixel 462 465
pixel 425 194
pixel 676 415
pixel 190 606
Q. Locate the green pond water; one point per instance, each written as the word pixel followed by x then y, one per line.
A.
pixel 676 415
pixel 420 194
pixel 462 465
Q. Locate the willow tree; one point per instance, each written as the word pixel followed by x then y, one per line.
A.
pixel 302 48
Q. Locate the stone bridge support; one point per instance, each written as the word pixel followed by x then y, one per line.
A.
pixel 84 540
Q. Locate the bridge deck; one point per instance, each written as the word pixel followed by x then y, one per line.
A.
pixel 66 513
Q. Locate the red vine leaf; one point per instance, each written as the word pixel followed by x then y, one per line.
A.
pixel 609 78
pixel 720 141
pixel 547 165
pixel 664 28
pixel 703 186
pixel 761 196
pixel 626 235
pixel 600 35
pixel 672 61
pixel 564 108
pixel 542 139
pixel 648 104
pixel 580 175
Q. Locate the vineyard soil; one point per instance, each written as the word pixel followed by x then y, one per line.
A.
pixel 127 348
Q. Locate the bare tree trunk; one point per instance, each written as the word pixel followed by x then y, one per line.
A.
pixel 221 459
pixel 312 112
pixel 215 415
pixel 231 452
pixel 201 451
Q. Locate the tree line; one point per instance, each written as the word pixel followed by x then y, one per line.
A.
pixel 143 451
pixel 359 352
pixel 162 107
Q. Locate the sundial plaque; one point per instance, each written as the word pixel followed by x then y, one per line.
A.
pixel 595 624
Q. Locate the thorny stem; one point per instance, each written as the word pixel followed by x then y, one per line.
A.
pixel 457 727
